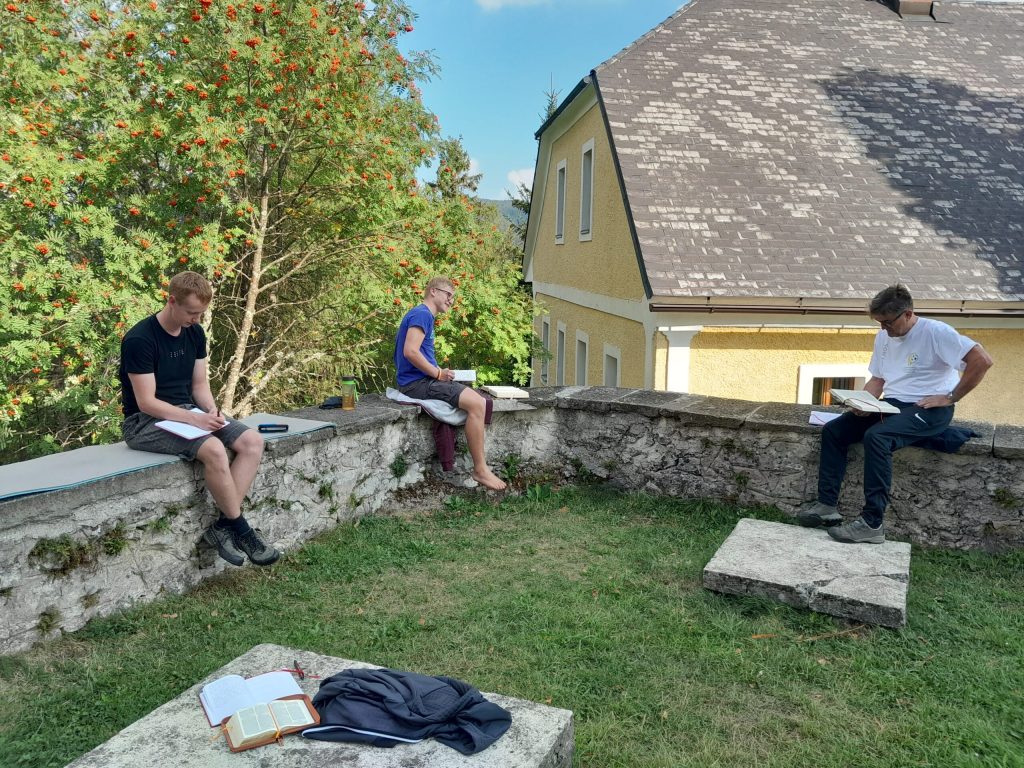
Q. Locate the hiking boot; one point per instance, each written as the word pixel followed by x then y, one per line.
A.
pixel 259 552
pixel 224 542
pixel 816 514
pixel 858 532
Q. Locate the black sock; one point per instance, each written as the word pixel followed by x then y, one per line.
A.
pixel 239 526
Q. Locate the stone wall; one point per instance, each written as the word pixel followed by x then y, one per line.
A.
pixel 91 550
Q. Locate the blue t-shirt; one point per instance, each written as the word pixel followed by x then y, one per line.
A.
pixel 417 317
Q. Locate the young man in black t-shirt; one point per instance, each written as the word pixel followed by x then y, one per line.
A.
pixel 164 377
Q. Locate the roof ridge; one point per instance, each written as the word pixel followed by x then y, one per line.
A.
pixel 686 5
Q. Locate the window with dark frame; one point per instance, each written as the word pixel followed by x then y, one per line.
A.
pixel 586 191
pixel 822 385
pixel 560 204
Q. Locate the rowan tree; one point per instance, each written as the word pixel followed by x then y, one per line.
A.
pixel 270 145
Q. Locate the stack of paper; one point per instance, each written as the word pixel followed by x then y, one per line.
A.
pixel 505 392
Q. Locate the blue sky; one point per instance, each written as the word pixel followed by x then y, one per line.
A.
pixel 497 59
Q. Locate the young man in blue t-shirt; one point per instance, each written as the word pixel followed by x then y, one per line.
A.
pixel 420 377
pixel 164 377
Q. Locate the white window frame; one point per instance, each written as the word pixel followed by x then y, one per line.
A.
pixel 808 373
pixel 545 343
pixel 584 339
pixel 587 195
pixel 615 354
pixel 560 356
pixel 560 190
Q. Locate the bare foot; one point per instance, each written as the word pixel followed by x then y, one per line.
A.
pixel 489 480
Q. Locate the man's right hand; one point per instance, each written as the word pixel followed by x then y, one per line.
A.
pixel 445 374
pixel 211 422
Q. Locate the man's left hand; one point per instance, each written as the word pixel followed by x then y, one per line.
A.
pixel 935 401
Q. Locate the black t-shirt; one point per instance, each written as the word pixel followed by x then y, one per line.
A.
pixel 148 348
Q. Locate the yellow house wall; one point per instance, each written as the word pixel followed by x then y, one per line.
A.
pixel 763 365
pixel 601 328
pixel 998 398
pixel 607 263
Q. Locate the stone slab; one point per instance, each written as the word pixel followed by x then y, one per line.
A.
pixel 803 567
pixel 787 417
pixel 977 446
pixel 1008 442
pixel 647 402
pixel 177 735
pixel 598 399
pixel 714 412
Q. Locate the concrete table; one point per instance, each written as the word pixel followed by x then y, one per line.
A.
pixel 804 567
pixel 177 735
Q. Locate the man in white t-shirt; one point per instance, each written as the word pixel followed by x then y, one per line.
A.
pixel 923 367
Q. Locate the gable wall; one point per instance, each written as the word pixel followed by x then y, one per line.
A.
pixel 607 263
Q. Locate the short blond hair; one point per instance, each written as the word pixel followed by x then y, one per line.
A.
pixel 440 282
pixel 185 284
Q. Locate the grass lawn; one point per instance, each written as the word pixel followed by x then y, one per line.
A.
pixel 589 600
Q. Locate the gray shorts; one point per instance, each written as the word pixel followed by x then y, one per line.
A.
pixel 432 389
pixel 141 433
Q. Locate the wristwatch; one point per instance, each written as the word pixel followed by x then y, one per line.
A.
pixel 950 396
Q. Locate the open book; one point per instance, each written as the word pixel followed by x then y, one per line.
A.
pixel 464 375
pixel 265 723
pixel 227 695
pixel 861 400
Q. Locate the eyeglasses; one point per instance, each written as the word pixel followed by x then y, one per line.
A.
pixel 891 321
pixel 449 294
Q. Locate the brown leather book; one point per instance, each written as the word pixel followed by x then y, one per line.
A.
pixel 266 723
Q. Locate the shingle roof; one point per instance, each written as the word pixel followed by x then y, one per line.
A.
pixel 824 148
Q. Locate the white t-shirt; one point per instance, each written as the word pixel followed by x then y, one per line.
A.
pixel 926 361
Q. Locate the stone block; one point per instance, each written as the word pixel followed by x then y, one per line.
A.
pixel 715 412
pixel 372 411
pixel 541 396
pixel 804 567
pixel 177 734
pixel 511 405
pixel 597 399
pixel 1008 442
pixel 681 403
pixel 786 417
pixel 648 402
pixel 977 446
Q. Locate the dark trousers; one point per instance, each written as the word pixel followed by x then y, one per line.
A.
pixel 881 437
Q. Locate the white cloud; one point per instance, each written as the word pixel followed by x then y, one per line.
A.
pixel 521 176
pixel 474 166
pixel 497 5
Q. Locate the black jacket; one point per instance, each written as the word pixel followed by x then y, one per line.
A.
pixel 392 706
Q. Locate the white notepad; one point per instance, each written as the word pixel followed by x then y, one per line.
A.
pixel 181 429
